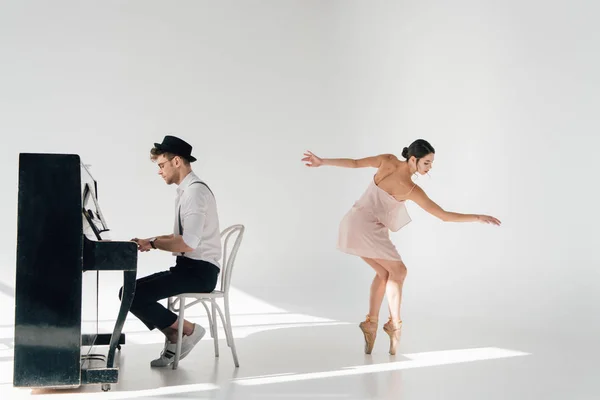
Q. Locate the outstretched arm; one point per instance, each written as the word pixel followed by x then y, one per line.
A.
pixel 419 197
pixel 312 160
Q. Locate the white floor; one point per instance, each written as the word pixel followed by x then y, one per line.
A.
pixel 293 356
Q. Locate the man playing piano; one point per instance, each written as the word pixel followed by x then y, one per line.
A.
pixel 195 242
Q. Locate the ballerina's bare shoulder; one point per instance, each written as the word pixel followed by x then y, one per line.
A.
pixel 394 179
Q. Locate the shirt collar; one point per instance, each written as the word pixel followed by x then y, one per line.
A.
pixel 189 178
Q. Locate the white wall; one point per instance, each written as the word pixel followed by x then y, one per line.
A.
pixel 503 90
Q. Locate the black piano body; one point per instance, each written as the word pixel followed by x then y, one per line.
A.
pixel 60 252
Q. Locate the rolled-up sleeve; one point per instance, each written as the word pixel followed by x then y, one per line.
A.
pixel 193 215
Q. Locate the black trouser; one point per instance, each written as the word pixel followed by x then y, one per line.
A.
pixel 187 276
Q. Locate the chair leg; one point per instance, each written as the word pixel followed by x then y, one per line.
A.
pixel 214 325
pixel 210 321
pixel 179 332
pixel 228 331
pixel 211 326
pixel 227 325
pixel 228 318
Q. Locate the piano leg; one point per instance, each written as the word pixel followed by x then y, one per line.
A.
pixel 110 373
pixel 129 278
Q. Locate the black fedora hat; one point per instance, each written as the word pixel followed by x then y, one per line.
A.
pixel 173 144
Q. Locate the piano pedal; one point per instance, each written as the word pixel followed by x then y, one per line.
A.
pixel 94 357
pixel 105 387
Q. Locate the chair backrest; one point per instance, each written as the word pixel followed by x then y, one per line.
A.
pixel 229 253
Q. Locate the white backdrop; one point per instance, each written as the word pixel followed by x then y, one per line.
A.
pixel 504 91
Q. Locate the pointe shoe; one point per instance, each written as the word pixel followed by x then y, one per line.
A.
pixel 369 332
pixel 394 334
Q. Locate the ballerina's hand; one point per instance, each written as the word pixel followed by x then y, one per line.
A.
pixel 487 219
pixel 311 160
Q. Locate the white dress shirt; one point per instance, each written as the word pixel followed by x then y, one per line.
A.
pixel 196 206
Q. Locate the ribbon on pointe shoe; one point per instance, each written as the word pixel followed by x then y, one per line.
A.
pixel 390 325
pixel 371 319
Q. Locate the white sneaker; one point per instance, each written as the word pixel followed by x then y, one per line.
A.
pixel 167 356
pixel 189 342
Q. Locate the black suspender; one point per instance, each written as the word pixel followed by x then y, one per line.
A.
pixel 179 212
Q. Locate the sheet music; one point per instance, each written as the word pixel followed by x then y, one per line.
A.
pixel 93 222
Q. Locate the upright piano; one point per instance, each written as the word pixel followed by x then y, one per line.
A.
pixel 61 248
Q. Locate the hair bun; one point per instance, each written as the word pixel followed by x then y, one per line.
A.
pixel 405 152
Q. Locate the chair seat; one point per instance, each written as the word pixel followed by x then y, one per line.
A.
pixel 215 294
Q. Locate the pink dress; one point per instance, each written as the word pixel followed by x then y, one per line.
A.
pixel 364 230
